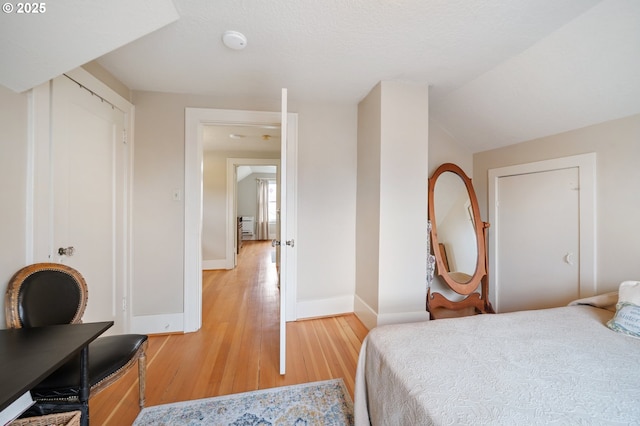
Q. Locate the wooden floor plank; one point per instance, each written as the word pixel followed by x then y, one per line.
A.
pixel 236 350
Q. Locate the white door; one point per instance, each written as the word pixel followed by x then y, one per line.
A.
pixel 538 243
pixel 88 180
pixel 283 254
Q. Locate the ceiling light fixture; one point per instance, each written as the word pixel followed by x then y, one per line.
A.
pixel 234 40
pixel 236 136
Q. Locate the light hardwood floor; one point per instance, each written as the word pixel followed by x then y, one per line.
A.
pixel 237 348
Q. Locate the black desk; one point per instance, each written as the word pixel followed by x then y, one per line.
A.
pixel 29 355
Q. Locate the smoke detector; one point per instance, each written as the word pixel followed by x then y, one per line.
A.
pixel 234 40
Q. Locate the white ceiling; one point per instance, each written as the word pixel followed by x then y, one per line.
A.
pixel 500 71
pixel 241 138
pixel 244 171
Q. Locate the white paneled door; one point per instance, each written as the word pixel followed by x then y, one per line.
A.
pixel 283 255
pixel 538 239
pixel 542 247
pixel 88 195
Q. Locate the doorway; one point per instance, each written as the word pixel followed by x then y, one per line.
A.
pixel 196 119
pixel 254 200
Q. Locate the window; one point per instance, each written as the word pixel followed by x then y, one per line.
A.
pixel 273 197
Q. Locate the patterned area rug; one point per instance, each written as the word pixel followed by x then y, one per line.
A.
pixel 317 403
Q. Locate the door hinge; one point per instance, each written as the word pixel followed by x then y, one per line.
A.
pixel 124 304
pixel 124 137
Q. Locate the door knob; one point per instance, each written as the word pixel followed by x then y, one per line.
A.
pixel 66 251
pixel 275 243
pixel 568 258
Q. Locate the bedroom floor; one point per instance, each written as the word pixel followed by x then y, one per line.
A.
pixel 237 348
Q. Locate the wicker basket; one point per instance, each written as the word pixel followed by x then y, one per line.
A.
pixel 71 418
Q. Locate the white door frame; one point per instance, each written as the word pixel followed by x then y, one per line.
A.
pixel 586 164
pixel 195 120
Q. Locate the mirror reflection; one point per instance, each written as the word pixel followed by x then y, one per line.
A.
pixel 457 244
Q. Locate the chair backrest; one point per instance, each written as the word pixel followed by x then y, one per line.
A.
pixel 45 294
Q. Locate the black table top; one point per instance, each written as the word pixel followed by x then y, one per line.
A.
pixel 28 355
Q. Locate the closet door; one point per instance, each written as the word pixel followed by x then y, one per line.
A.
pixel 538 216
pixel 88 196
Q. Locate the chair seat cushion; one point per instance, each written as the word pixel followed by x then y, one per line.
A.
pixel 107 355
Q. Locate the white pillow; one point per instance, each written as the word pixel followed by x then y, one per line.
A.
pixel 627 317
pixel 629 291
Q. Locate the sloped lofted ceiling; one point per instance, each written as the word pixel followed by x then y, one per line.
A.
pixel 40 41
pixel 500 71
pixel 586 72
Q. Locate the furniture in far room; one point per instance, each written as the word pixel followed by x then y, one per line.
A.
pixel 46 294
pixel 458 242
pixel 239 234
pixel 248 227
pixel 30 355
pixel 576 364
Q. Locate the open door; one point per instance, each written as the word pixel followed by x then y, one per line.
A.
pixel 282 228
pixel 288 215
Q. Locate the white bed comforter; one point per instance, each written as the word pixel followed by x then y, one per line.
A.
pixel 556 366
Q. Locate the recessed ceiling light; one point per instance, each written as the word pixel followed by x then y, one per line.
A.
pixel 234 40
pixel 236 136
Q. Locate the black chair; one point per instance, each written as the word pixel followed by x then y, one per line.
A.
pixel 50 293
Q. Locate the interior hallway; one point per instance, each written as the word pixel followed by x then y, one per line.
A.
pixel 237 348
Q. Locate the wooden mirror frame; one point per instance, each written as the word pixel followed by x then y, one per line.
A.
pixel 478 226
pixel 478 303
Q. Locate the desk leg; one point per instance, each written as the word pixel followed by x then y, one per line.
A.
pixel 84 386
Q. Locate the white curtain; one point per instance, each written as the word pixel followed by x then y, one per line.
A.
pixel 262 219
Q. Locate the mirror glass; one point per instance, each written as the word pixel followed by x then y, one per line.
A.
pixel 454 218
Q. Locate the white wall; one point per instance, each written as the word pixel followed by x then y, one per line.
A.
pixel 326 201
pixel 13 191
pixel 214 207
pixel 158 219
pixel 443 148
pixel 326 208
pixel 617 147
pixel 368 207
pixel 403 201
pixel 392 203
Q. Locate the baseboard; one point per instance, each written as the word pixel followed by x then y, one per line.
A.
pixel 215 264
pixel 403 317
pixel 324 307
pixel 372 319
pixel 365 313
pixel 157 324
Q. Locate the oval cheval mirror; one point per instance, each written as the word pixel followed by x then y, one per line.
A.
pixel 458 238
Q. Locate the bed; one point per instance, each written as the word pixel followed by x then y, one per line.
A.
pixel 552 366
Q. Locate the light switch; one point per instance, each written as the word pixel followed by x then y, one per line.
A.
pixel 177 195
